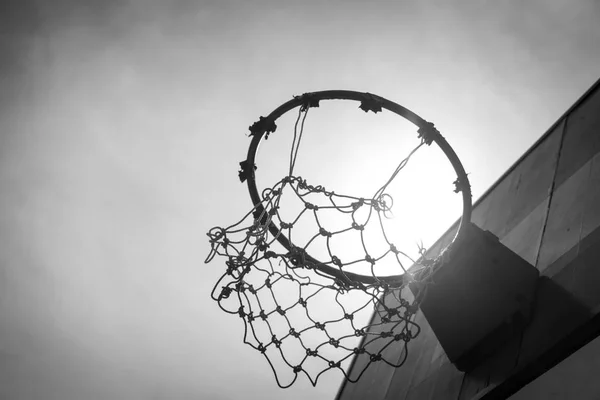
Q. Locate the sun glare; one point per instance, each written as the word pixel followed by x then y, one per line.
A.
pixel 354 153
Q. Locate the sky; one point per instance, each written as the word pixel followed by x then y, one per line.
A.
pixel 121 127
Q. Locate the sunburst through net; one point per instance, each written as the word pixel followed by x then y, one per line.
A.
pixel 305 301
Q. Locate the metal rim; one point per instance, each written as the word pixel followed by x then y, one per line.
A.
pixel 369 102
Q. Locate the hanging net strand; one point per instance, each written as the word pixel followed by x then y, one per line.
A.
pixel 302 113
pixel 279 290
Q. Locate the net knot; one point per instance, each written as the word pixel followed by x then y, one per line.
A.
pixel 310 206
pixel 358 227
pixel 324 232
pixel 312 353
pixel 225 292
pixel 231 268
pixel 285 225
pixel 399 336
pixel 357 204
pixel 261 348
pixel 320 326
pixel 336 261
pixel 276 341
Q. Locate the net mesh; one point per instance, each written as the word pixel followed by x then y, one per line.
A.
pixel 309 316
pixel 270 287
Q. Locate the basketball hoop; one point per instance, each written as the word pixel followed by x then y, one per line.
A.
pixel 260 255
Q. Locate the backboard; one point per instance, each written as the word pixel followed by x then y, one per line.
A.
pixel 546 209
